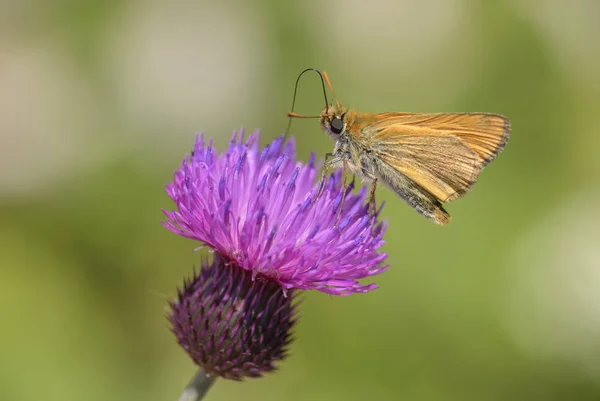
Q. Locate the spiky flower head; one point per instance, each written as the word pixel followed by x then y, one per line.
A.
pixel 231 324
pixel 259 209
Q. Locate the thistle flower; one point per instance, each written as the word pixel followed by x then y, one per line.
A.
pixel 231 324
pixel 261 212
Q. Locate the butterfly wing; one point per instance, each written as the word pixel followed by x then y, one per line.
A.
pixel 443 166
pixel 484 133
pixel 443 153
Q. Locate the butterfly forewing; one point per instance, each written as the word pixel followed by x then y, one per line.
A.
pixel 486 134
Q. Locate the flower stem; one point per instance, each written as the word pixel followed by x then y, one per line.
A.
pixel 197 387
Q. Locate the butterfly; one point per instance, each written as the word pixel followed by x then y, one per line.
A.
pixel 427 159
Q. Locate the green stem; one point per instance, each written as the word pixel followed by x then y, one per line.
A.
pixel 197 387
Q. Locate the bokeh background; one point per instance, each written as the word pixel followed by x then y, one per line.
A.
pixel 100 100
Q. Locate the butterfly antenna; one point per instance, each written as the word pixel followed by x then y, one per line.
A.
pixel 291 114
pixel 326 77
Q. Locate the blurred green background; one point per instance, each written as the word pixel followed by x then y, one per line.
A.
pixel 99 102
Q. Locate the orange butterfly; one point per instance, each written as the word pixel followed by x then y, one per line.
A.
pixel 427 159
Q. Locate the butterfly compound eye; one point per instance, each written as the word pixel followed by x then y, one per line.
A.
pixel 337 125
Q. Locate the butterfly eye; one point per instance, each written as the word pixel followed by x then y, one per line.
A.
pixel 337 125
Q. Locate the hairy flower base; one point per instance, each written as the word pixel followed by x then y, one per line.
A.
pixel 259 209
pixel 231 324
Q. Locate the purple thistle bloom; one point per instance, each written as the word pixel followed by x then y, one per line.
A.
pixel 231 324
pixel 258 210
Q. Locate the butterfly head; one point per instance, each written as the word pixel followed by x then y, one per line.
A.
pixel 333 119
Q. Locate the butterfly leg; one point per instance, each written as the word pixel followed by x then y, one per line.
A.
pixel 370 176
pixel 345 189
pixel 372 205
pixel 323 179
